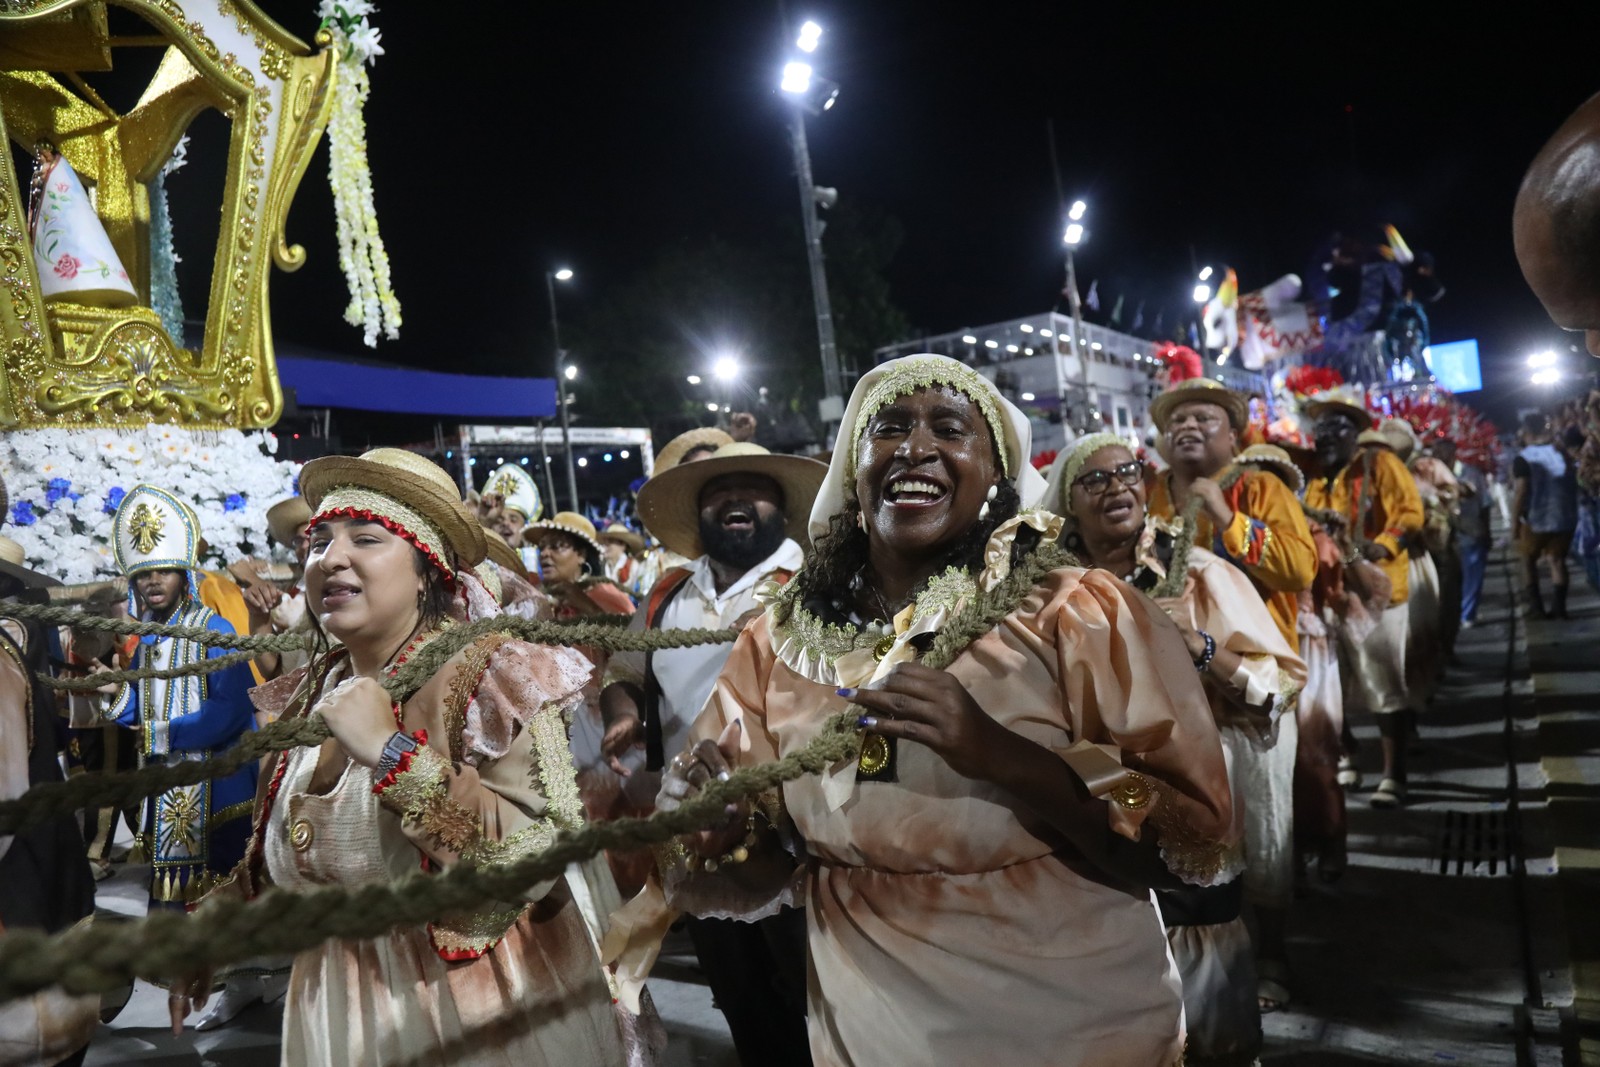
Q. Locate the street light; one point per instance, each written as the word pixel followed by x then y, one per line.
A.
pixel 1072 238
pixel 797 83
pixel 563 274
pixel 1546 376
pixel 1542 359
pixel 571 372
pixel 726 368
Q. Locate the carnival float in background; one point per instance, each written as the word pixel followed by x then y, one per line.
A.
pixel 97 389
pixel 1357 321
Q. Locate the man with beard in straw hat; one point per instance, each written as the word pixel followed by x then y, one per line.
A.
pixel 1378 497
pixel 739 517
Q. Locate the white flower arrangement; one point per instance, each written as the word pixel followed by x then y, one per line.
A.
pixel 362 256
pixel 64 486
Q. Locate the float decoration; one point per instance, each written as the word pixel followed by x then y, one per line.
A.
pixel 67 363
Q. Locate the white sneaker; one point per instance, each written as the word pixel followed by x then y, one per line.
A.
pixel 236 996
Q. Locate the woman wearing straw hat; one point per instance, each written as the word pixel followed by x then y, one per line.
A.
pixel 622 547
pixel 977 882
pixel 1251 675
pixel 476 771
pixel 572 567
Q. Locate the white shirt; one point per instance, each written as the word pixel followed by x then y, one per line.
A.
pixel 686 675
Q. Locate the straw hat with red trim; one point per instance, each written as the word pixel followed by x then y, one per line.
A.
pixel 403 488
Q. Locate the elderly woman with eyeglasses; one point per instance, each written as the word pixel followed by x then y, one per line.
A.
pixel 1250 675
pixel 977 882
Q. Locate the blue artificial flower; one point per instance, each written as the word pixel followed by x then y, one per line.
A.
pixel 58 488
pixel 235 502
pixel 114 499
pixel 22 513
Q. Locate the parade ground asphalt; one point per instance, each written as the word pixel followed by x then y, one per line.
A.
pixel 1466 929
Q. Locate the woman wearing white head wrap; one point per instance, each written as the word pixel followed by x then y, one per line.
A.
pixel 977 883
pixel 1251 675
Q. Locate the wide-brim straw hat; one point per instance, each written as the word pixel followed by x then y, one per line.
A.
pixel 1276 459
pixel 14 564
pixel 673 451
pixel 1341 400
pixel 1374 439
pixel 567 522
pixel 414 481
pixel 1401 435
pixel 669 503
pixel 501 552
pixel 285 518
pixel 623 536
pixel 1204 391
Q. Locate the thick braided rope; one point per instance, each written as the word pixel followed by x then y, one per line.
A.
pixel 1172 584
pixel 226 929
pixel 95 681
pixel 602 632
pixel 125 788
pixel 79 620
pixel 985 611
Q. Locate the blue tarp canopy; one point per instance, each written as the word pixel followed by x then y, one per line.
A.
pixel 327 383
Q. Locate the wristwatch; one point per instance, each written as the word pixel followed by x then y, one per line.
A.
pixel 398 745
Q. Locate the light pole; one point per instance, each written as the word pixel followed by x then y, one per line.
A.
pixel 797 82
pixel 726 371
pixel 1072 238
pixel 562 378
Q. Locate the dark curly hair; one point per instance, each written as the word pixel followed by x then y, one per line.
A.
pixel 840 555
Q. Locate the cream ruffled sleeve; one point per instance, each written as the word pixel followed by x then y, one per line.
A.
pixel 1221 602
pixel 1128 686
pixel 495 780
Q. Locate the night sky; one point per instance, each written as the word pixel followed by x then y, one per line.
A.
pixel 507 139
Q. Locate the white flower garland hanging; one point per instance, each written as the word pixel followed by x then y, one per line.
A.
pixel 362 257
pixel 164 258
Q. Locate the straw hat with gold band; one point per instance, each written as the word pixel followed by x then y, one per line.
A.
pixel 673 452
pixel 286 517
pixel 669 503
pixel 623 536
pixel 501 552
pixel 1201 391
pixel 567 522
pixel 1277 460
pixel 407 493
pixel 1343 400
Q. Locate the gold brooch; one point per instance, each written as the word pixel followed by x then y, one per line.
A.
pixel 301 834
pixel 874 754
pixel 1133 793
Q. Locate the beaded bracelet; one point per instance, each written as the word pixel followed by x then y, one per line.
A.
pixel 739 853
pixel 1205 657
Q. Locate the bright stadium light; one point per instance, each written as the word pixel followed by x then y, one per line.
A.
pixel 796 77
pixel 810 34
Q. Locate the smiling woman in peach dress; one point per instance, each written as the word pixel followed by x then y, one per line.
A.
pixel 473 768
pixel 978 883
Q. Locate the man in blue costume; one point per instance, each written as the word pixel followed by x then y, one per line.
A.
pixel 192 835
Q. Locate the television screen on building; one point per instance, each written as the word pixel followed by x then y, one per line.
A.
pixel 1455 364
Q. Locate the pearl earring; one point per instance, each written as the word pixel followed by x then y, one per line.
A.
pixel 983 512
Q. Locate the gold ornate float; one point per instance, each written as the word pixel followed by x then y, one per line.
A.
pixel 73 365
